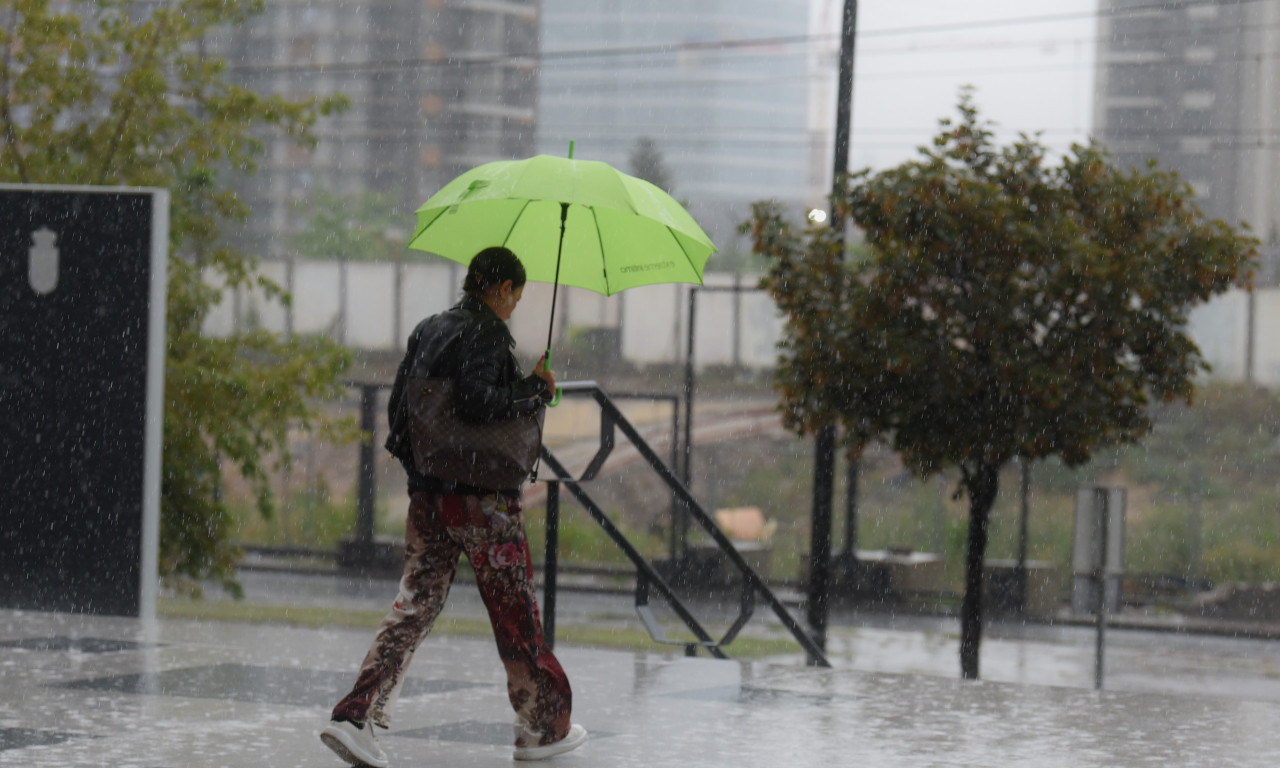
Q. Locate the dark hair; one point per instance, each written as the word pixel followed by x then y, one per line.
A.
pixel 493 266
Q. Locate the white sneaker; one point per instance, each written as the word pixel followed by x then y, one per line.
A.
pixel 354 743
pixel 576 737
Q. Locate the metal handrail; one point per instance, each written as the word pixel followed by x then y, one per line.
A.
pixel 612 420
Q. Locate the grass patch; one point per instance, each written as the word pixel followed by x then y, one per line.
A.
pixel 617 638
pixel 582 540
pixel 301 616
pixel 312 516
pixel 1202 497
pixel 632 639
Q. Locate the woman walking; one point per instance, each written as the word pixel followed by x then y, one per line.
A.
pixel 469 344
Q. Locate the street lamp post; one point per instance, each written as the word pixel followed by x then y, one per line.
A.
pixel 825 441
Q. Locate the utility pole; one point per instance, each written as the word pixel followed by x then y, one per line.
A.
pixel 825 441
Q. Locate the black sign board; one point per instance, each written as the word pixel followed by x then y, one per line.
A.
pixel 82 309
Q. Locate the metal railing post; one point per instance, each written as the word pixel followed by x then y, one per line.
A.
pixel 677 518
pixel 1102 504
pixel 551 564
pixel 686 445
pixel 611 414
pixel 367 481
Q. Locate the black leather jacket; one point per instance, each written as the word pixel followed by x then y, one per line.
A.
pixel 470 344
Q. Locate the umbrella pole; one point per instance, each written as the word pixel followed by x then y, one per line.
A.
pixel 555 289
pixel 555 286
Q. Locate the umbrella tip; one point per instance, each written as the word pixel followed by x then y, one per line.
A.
pixel 570 149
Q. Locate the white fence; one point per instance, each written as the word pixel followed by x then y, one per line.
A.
pixel 374 306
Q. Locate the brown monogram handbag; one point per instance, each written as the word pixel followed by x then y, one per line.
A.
pixel 493 455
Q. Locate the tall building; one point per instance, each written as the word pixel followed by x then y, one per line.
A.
pixel 435 87
pixel 1196 86
pixel 720 87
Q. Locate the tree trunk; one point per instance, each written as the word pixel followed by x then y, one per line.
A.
pixel 982 486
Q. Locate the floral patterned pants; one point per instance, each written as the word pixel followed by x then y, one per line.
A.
pixel 489 530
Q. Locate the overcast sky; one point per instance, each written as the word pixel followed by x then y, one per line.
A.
pixel 1031 61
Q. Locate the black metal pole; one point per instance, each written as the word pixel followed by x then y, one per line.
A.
pixel 737 321
pixel 551 564
pixel 820 538
pixel 851 513
pixel 825 442
pixel 366 488
pixel 397 300
pixel 1101 502
pixel 687 442
pixel 844 96
pixel 1251 314
pixel 344 291
pixel 555 286
pixel 687 472
pixel 290 273
pixel 1020 572
pixel 677 518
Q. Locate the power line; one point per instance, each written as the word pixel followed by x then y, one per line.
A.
pixel 600 133
pixel 1165 5
pixel 684 47
pixel 1162 36
pixel 1222 139
pixel 736 80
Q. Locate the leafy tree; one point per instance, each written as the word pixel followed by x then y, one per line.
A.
pixel 1008 309
pixel 120 93
pixel 365 226
pixel 646 163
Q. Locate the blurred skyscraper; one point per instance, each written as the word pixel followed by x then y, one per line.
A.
pixel 735 96
pixel 1196 86
pixel 435 87
pixel 721 89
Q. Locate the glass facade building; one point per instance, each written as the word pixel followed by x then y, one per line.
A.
pixel 435 87
pixel 1196 87
pixel 720 87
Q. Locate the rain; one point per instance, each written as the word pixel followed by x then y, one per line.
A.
pixel 968 457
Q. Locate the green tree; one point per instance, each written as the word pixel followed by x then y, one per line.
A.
pixel 1008 309
pixel 646 163
pixel 366 226
pixel 120 93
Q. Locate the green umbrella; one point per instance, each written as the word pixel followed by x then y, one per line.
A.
pixel 576 222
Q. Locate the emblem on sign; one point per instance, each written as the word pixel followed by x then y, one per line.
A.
pixel 42 270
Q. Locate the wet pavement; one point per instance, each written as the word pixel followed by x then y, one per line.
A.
pixel 1141 656
pixel 123 692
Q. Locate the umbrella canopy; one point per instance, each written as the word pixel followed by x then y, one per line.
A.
pixel 619 232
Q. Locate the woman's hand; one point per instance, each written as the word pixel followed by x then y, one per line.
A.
pixel 542 372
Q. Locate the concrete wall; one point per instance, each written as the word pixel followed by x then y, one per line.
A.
pixel 374 306
pixel 1221 329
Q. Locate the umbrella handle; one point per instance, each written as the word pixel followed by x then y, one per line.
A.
pixel 555 399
